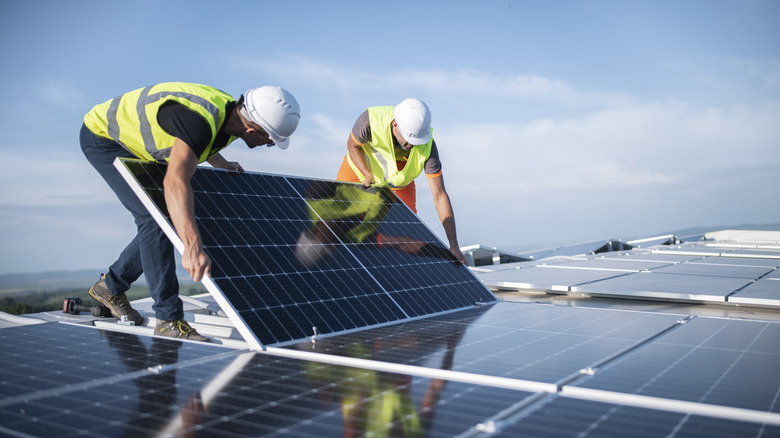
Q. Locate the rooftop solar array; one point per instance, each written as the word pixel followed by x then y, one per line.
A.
pixel 294 257
pixel 686 273
pixel 511 369
pixel 127 385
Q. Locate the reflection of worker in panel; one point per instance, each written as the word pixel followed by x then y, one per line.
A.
pixel 381 404
pixel 182 124
pixel 157 391
pixel 350 213
pixel 391 146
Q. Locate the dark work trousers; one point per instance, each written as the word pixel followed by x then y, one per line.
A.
pixel 150 252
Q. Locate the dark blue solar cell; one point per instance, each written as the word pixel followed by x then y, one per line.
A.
pixel 294 321
pixel 221 266
pixel 237 203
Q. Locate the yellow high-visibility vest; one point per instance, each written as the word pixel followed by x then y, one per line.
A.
pixel 380 152
pixel 131 119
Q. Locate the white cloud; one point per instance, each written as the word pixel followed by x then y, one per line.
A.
pixel 464 85
pixel 647 143
pixel 635 168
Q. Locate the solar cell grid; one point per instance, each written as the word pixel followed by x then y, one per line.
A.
pixel 519 340
pixel 240 393
pixel 717 361
pixel 310 253
pixel 564 417
pixel 49 357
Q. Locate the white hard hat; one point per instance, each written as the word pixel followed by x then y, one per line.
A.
pixel 414 121
pixel 275 110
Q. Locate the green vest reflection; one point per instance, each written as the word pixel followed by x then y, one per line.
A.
pixel 343 213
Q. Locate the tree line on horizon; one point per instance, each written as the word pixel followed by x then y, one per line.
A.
pixel 47 301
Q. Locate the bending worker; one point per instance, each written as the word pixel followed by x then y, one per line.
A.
pixel 391 146
pixel 183 124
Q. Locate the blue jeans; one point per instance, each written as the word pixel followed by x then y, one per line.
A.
pixel 150 252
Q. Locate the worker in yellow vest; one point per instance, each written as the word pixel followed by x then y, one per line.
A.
pixel 391 146
pixel 182 124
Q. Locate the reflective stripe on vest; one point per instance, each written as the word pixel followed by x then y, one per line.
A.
pixel 380 152
pixel 150 141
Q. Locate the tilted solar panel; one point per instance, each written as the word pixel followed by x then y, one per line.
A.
pixel 294 257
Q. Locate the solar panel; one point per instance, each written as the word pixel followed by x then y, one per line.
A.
pixel 715 270
pixel 707 360
pixel 708 378
pixel 294 257
pixel 650 255
pixel 614 263
pixel 688 249
pixel 764 292
pixel 50 358
pixel 756 262
pixel 553 278
pixel 525 341
pixel 121 384
pixel 685 287
pixel 568 417
pixel 719 250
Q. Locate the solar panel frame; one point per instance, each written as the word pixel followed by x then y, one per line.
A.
pixel 252 241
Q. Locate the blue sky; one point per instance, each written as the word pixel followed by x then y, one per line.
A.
pixel 557 121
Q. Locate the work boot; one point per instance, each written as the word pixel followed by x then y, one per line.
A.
pixel 178 329
pixel 118 304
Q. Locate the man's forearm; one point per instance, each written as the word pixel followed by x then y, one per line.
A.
pixel 179 199
pixel 181 208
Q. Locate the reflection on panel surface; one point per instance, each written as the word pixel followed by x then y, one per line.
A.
pixel 518 340
pixel 717 361
pixel 233 394
pixel 50 356
pixel 291 254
